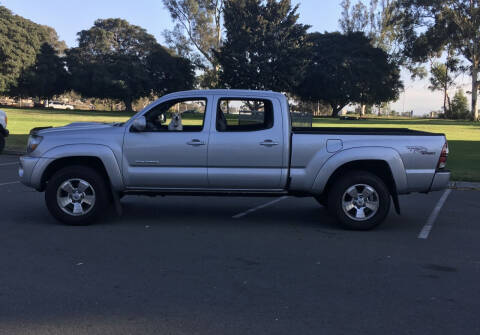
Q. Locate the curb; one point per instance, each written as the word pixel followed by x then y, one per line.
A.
pixel 464 186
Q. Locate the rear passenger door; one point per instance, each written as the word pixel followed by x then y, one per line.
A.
pixel 246 149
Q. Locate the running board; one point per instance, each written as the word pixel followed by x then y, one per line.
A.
pixel 232 193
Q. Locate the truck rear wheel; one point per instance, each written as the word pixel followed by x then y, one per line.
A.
pixel 2 143
pixel 360 200
pixel 76 195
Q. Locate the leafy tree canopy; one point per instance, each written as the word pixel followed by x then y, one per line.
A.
pixel 374 19
pixel 121 61
pixel 20 41
pixel 347 69
pixel 197 34
pixel 459 106
pixel 429 26
pixel 264 47
pixel 46 78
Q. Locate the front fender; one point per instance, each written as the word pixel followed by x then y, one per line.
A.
pixel 388 155
pixel 104 153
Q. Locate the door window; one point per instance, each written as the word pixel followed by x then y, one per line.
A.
pixel 234 115
pixel 177 116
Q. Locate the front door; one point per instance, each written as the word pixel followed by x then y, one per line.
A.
pixel 171 153
pixel 246 145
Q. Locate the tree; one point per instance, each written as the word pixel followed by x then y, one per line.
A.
pixel 428 26
pixel 459 106
pixel 442 79
pixel 374 20
pixel 347 69
pixel 46 78
pixel 120 61
pixel 264 46
pixel 20 42
pixel 197 34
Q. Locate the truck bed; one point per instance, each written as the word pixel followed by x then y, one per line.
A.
pixel 361 131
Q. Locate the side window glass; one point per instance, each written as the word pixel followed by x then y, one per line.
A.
pixel 244 115
pixel 177 115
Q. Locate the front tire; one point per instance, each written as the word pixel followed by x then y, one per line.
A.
pixel 76 195
pixel 360 200
pixel 2 143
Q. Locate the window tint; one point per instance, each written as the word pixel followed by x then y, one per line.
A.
pixel 244 115
pixel 177 115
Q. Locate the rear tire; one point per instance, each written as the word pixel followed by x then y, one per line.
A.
pixel 360 200
pixel 76 195
pixel 2 143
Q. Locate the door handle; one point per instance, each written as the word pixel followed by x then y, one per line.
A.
pixel 268 143
pixel 195 142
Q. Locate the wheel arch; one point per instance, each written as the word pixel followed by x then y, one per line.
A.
pixel 377 167
pixel 98 157
pixel 385 163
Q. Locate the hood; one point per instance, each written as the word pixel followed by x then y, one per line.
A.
pixel 73 127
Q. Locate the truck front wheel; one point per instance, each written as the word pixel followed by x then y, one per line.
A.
pixel 76 195
pixel 360 200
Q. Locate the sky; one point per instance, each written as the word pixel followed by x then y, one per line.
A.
pixel 70 17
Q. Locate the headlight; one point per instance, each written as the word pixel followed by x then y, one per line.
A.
pixel 33 142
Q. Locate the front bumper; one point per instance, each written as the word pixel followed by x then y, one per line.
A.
pixel 441 180
pixel 26 170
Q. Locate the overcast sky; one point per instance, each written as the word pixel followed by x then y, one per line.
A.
pixel 69 17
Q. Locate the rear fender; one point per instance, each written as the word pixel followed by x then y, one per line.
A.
pixel 388 155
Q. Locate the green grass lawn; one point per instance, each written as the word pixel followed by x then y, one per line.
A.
pixel 20 121
pixel 463 136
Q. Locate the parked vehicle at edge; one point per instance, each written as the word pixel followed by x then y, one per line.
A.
pixel 226 149
pixel 3 129
pixel 59 105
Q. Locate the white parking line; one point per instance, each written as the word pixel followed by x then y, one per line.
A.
pixel 8 164
pixel 10 183
pixel 240 215
pixel 433 216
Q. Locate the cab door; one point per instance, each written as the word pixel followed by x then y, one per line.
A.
pixel 246 150
pixel 163 157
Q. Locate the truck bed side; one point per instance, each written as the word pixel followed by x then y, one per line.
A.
pixel 411 156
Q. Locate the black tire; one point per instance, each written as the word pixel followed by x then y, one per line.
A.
pixel 2 143
pixel 96 183
pixel 322 200
pixel 356 180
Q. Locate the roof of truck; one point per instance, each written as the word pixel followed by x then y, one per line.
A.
pixel 227 92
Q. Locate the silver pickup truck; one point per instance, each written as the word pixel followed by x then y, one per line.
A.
pixel 230 142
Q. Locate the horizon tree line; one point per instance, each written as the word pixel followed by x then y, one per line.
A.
pixel 248 44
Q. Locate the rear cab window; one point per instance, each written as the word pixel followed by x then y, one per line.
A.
pixel 244 115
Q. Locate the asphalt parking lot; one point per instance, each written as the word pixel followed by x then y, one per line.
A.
pixel 208 265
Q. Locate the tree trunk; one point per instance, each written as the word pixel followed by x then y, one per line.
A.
pixel 336 110
pixel 474 90
pixel 362 110
pixel 128 105
pixel 445 95
pixel 449 104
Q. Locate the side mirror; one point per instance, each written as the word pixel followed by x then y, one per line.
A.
pixel 139 124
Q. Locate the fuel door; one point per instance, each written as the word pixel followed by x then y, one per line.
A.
pixel 334 145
